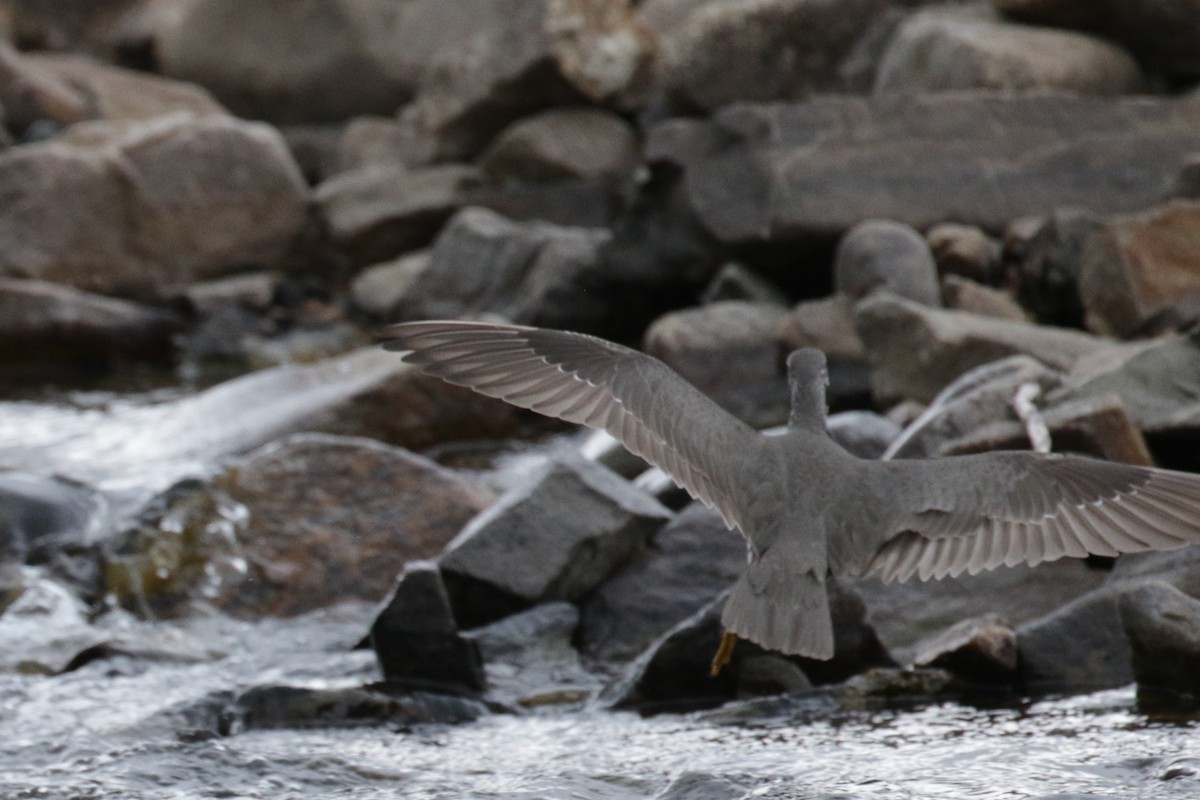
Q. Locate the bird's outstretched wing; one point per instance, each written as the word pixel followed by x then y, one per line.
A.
pixel 972 513
pixel 638 399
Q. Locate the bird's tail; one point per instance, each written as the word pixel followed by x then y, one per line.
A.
pixel 788 613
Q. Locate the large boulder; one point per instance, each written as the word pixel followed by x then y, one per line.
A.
pixel 881 254
pixel 562 143
pixel 1163 628
pixel 1079 646
pixel 785 171
pixel 144 207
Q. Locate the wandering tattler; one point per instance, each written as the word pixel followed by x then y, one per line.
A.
pixel 807 507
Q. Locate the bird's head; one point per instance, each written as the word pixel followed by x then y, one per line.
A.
pixel 807 378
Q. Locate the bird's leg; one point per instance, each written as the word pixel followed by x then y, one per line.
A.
pixel 724 653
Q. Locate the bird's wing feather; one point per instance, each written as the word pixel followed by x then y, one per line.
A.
pixel 653 411
pixel 980 512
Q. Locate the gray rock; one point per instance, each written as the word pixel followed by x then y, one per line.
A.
pixel 562 143
pixel 43 629
pixel 40 514
pixel 299 708
pixel 691 560
pixel 915 351
pixel 881 254
pixel 378 211
pixel 31 94
pixel 252 290
pixel 369 140
pixel 702 786
pixel 947 49
pixel 1178 568
pixel 735 282
pixel 415 637
pixel 978 650
pixel 963 294
pixel 730 351
pixel 379 287
pixel 864 433
pixel 782 172
pixel 531 273
pixel 965 251
pixel 1048 254
pixel 556 537
pixel 1079 646
pixel 1163 628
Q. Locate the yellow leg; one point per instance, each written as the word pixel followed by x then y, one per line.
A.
pixel 724 653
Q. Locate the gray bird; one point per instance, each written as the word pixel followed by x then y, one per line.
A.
pixel 807 507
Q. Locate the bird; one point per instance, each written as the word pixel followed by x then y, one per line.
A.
pixel 809 509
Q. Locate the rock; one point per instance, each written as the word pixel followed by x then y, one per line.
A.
pixel 856 645
pixel 691 560
pixel 1079 646
pixel 562 143
pixel 57 25
pixel 316 147
pixel 805 46
pixel 978 650
pixel 916 351
pixel 735 282
pixel 782 172
pixel 889 687
pixel 372 509
pixel 1187 184
pixel 415 637
pixel 880 254
pixel 904 614
pixel 47 330
pixel 558 536
pixel 369 141
pixel 379 212
pixel 1179 568
pixel 602 48
pixel 569 202
pixel 1163 628
pixel 1048 258
pixel 115 93
pixel 702 786
pixel 1162 33
pixel 299 708
pixel 43 629
pixel 39 515
pixel 379 287
pixel 142 207
pixel 864 433
pixel 1138 265
pixel 730 352
pixel 978 398
pixel 531 273
pixel 31 94
pixel 947 49
pixel 530 660
pixel 254 291
pixel 770 674
pixel 961 294
pixel 965 251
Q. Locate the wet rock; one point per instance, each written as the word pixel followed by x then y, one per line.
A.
pixel 334 518
pixel 143 207
pixel 946 49
pixel 298 708
pixel 889 687
pixel 787 171
pixel 770 674
pixel 735 282
pixel 881 254
pixel 702 786
pixel 864 433
pixel 416 639
pixel 43 629
pixel 1162 33
pixel 40 514
pixel 1163 628
pixel 47 330
pixel 530 660
pixel 562 143
pixel 531 273
pixel 806 45
pixel 729 351
pixel 115 93
pixel 556 537
pixel 1048 254
pixel 961 294
pixel 916 351
pixel 30 94
pixel 979 650
pixel 691 560
pixel 379 287
pixel 376 213
pixel 965 251
pixel 1081 645
pixel 1138 265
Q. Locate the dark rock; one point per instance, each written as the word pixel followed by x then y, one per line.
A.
pixel 570 202
pixel 729 351
pixel 1187 185
pixel 298 708
pixel 1138 265
pixel 562 143
pixel 532 273
pixel 41 514
pixel 334 518
pixel 378 212
pixel 962 294
pixel 415 637
pixel 965 251
pixel 316 147
pixel 805 47
pixel 915 351
pixel 1048 256
pixel 1080 646
pixel 379 287
pixel 1179 568
pixel 1162 33
pixel 890 687
pixel 978 650
pixel 735 282
pixel 881 254
pixel 770 674
pixel 47 330
pixel 72 25
pixel 856 646
pixel 144 207
pixel 691 560
pixel 782 172
pixel 1163 628
pixel 556 537
pixel 947 49
pixel 864 433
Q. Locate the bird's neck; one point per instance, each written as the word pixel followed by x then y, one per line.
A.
pixel 808 409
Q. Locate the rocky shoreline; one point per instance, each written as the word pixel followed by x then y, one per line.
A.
pixel 961 205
